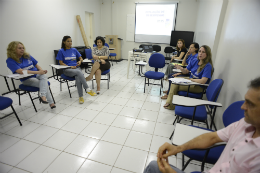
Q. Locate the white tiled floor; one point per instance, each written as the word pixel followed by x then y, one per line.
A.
pixel 118 131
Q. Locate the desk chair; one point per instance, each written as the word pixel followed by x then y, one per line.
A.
pixel 232 114
pixel 6 102
pixel 168 52
pixel 156 60
pixel 199 112
pixel 88 53
pixel 156 48
pixel 111 54
pixel 66 79
pixel 29 89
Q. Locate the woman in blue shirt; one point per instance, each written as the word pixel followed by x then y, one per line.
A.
pixel 190 55
pixel 201 71
pixel 18 60
pixel 68 56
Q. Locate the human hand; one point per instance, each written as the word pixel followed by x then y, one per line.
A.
pixel 176 74
pixel 172 58
pixel 164 166
pixel 188 53
pixel 78 63
pixel 167 150
pixel 177 66
pixel 42 71
pixel 103 61
pixel 73 67
pixel 95 57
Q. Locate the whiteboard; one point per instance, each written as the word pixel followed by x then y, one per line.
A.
pixel 130 27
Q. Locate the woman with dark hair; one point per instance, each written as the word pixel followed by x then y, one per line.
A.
pixel 190 55
pixel 19 61
pixel 201 71
pixel 181 52
pixel 68 56
pixel 100 55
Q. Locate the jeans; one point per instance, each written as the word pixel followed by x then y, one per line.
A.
pixel 153 168
pixel 41 82
pixel 80 79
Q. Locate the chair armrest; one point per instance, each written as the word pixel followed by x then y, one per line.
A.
pixel 190 102
pixel 59 66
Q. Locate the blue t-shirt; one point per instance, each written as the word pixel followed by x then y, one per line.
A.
pixel 68 56
pixel 205 72
pixel 191 57
pixel 26 64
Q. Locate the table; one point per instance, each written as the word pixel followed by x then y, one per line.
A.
pixel 138 54
pixel 190 132
pixel 111 48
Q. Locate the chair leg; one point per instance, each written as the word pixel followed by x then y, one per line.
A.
pixel 60 86
pixel 206 121
pixel 92 84
pixel 144 83
pixel 68 87
pixel 32 102
pixel 16 115
pixel 148 81
pixel 19 97
pixel 186 164
pixel 107 81
pixel 52 95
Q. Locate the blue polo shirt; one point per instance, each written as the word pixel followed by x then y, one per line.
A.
pixel 191 57
pixel 68 56
pixel 205 72
pixel 26 64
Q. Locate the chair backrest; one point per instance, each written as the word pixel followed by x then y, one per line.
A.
pixel 106 45
pixel 94 45
pixel 157 60
pixel 88 53
pixel 214 89
pixel 156 48
pixel 168 49
pixel 233 113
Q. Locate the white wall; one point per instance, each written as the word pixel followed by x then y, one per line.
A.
pixel 237 59
pixel 114 13
pixel 207 21
pixel 40 25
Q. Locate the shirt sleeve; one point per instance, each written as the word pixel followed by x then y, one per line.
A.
pixel 107 52
pixel 12 65
pixel 60 56
pixel 190 65
pixel 207 71
pixel 78 54
pixel 35 62
pixel 225 134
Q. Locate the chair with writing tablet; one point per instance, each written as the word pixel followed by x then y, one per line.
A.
pixel 195 109
pixel 232 114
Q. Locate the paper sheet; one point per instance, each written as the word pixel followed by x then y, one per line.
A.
pixel 180 80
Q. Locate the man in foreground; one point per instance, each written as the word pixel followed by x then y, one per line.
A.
pixel 242 152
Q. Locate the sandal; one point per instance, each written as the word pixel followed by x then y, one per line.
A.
pixel 165 91
pixel 166 105
pixel 98 92
pixel 164 97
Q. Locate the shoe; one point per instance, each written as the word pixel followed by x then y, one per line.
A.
pixel 98 92
pixel 42 101
pixel 92 93
pixel 81 100
pixel 165 91
pixel 53 107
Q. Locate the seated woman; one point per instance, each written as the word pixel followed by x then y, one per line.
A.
pixel 201 72
pixel 190 55
pixel 181 52
pixel 19 61
pixel 100 55
pixel 68 56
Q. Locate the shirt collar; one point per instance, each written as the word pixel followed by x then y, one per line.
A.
pixel 249 131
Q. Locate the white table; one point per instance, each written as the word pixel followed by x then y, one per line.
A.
pixel 191 102
pixel 184 133
pixel 134 55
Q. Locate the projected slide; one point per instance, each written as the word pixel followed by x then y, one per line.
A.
pixel 154 22
pixel 155 19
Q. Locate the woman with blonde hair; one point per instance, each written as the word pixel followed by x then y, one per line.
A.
pixel 201 72
pixel 18 60
pixel 181 52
